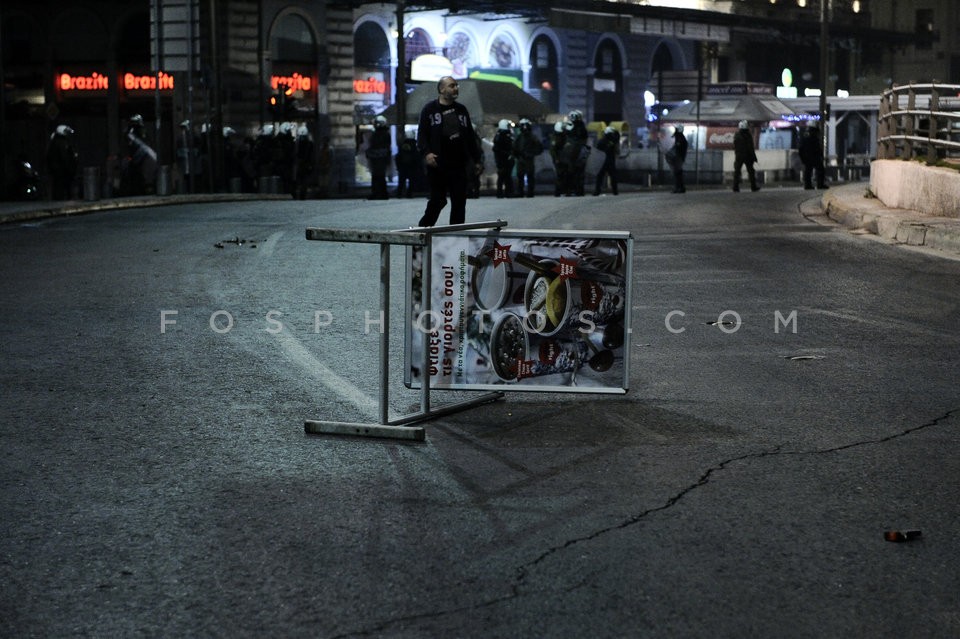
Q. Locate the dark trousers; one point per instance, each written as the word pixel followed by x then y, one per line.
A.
pixel 404 183
pixel 608 169
pixel 525 176
pixel 441 183
pixel 378 184
pixel 809 170
pixel 505 181
pixel 678 185
pixel 751 174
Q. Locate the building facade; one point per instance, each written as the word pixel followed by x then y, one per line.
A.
pixel 330 68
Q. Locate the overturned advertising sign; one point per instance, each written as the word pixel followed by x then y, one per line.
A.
pixel 521 310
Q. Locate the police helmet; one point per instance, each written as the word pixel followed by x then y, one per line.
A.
pixel 228 131
pixel 743 124
pixel 380 121
pixel 609 130
pixel 679 128
pixel 267 129
pixel 525 124
pixel 504 125
pixel 576 115
pixel 63 129
pixel 558 127
pixel 136 119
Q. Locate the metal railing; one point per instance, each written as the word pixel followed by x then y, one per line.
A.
pixel 929 126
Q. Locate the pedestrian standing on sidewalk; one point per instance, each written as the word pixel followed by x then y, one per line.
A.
pixel 378 155
pixel 811 154
pixel 558 153
pixel 445 139
pixel 676 156
pixel 744 154
pixel 608 144
pixel 409 164
pixel 526 148
pixel 61 162
pixel 503 157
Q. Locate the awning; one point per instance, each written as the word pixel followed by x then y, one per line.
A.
pixel 732 109
pixel 487 101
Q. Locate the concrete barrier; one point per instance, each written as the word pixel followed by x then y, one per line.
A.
pixel 903 184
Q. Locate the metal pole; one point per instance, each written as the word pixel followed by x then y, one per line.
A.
pixel 3 114
pixel 696 151
pixel 216 124
pixel 384 332
pixel 158 19
pixel 824 55
pixel 189 133
pixel 425 277
pixel 400 101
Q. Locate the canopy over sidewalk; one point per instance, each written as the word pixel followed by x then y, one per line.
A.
pixel 487 101
pixel 732 109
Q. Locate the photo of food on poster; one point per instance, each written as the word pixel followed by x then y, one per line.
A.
pixel 522 310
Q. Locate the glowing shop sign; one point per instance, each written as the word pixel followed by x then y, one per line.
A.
pixel 93 82
pixel 291 83
pixel 134 82
pixel 370 85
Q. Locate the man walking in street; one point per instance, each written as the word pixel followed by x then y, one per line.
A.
pixel 445 139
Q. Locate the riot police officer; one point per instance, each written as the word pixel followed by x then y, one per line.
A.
pixel 503 157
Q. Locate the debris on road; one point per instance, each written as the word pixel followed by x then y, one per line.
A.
pixel 898 536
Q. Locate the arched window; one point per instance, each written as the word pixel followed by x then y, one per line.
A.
pixel 662 59
pixel 608 82
pixel 417 43
pixel 292 40
pixel 370 46
pixel 544 75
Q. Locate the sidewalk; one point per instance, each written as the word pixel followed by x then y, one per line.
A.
pixel 849 206
pixel 26 211
pixel 845 204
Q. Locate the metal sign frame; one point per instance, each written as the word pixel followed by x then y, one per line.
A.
pixel 402 427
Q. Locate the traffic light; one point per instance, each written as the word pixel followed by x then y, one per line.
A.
pixel 283 106
pixel 278 103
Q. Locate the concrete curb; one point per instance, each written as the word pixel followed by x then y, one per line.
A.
pixel 850 206
pixel 29 211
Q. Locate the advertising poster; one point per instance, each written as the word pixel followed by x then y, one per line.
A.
pixel 522 310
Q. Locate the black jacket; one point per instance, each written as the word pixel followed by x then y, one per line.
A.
pixel 448 132
pixel 743 147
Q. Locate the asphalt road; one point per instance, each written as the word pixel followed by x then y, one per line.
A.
pixel 156 479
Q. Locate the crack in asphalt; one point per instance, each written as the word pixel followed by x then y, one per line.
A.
pixel 523 571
